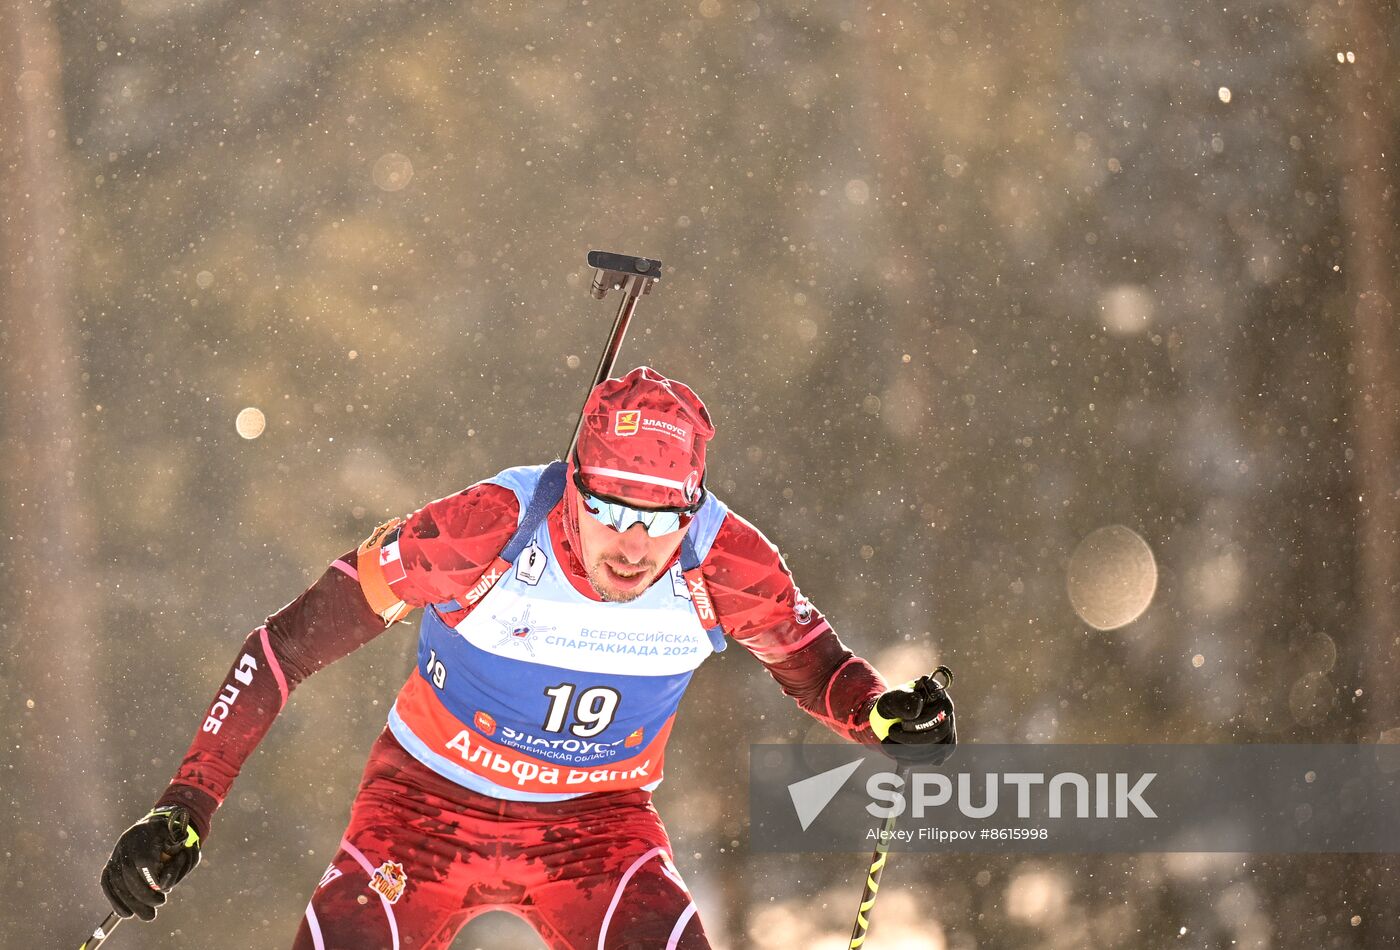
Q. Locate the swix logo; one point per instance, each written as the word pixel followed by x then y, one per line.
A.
pixel 223 703
pixel 700 597
pixel 389 881
pixel 488 581
pixel 484 722
pixel 625 422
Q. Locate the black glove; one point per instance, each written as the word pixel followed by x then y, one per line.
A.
pixel 150 858
pixel 914 723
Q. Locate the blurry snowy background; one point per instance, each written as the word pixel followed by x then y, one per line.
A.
pixel 1000 308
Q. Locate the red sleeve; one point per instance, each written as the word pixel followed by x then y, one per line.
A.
pixel 328 621
pixel 446 545
pixel 443 547
pixel 761 608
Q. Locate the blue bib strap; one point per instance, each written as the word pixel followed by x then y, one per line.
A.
pixel 704 528
pixel 545 483
pixel 548 490
pixel 695 547
pixel 690 558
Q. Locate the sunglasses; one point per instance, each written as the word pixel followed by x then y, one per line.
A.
pixel 621 516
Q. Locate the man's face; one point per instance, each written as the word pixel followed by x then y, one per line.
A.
pixel 622 564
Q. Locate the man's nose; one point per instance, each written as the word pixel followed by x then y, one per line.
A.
pixel 634 543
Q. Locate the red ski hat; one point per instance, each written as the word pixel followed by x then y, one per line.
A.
pixel 644 438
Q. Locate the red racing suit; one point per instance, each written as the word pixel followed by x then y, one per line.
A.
pixel 609 879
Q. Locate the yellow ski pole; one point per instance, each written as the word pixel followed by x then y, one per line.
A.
pixel 872 878
pixel 103 931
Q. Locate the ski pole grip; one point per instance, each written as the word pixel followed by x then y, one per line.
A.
pixel 177 827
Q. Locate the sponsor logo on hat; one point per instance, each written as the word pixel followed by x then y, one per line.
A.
pixel 662 427
pixel 626 421
pixel 692 486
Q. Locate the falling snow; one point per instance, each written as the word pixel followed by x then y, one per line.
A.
pixel 1042 339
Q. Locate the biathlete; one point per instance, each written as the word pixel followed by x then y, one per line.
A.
pixel 565 608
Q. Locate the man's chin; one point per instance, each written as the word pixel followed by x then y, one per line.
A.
pixel 617 596
pixel 599 576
